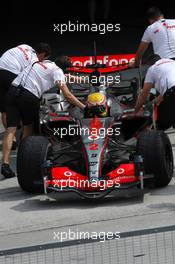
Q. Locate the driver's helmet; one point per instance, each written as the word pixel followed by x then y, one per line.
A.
pixel 97 104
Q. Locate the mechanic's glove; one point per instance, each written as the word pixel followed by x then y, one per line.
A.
pixel 87 112
pixel 86 109
pixel 132 65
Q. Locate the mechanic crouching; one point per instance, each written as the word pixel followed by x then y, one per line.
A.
pixel 23 102
pixel 161 76
pixel 12 62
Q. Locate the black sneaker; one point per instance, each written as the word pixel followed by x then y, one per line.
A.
pixel 6 171
pixel 14 145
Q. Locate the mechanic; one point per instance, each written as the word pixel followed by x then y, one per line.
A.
pixel 161 76
pixel 23 101
pixel 161 33
pixel 64 62
pixel 12 62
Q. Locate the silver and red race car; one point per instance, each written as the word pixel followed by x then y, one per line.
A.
pixel 96 152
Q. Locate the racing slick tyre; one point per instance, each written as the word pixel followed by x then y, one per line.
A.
pixel 32 152
pixel 156 150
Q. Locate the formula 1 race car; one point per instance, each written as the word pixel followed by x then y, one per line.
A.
pixel 95 152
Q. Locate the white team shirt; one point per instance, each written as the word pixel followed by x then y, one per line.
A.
pixel 162 35
pixel 16 59
pixel 40 77
pixel 162 75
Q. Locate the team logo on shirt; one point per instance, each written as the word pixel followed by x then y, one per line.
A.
pixel 156 31
pixel 24 51
pixel 168 26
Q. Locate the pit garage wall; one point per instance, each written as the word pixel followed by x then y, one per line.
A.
pixel 26 22
pixel 72 44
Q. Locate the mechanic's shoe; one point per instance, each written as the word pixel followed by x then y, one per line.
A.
pixel 14 145
pixel 6 171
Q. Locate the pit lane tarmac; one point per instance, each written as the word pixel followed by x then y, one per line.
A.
pixel 27 219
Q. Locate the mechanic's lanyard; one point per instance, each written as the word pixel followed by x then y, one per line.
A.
pixel 27 75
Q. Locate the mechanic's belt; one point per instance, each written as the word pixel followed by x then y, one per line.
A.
pixel 17 90
pixel 170 91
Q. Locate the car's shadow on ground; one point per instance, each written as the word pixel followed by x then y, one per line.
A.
pixel 42 202
pixel 169 190
pixel 131 197
pixel 33 202
pixel 165 191
pixel 161 206
pixel 14 194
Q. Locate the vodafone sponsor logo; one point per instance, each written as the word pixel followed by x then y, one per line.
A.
pixel 68 173
pixel 93 137
pixel 120 171
pixel 116 61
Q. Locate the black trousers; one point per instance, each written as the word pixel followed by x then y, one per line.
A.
pixel 166 112
pixel 22 106
pixel 6 79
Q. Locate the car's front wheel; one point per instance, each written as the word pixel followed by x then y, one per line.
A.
pixel 31 155
pixel 156 150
